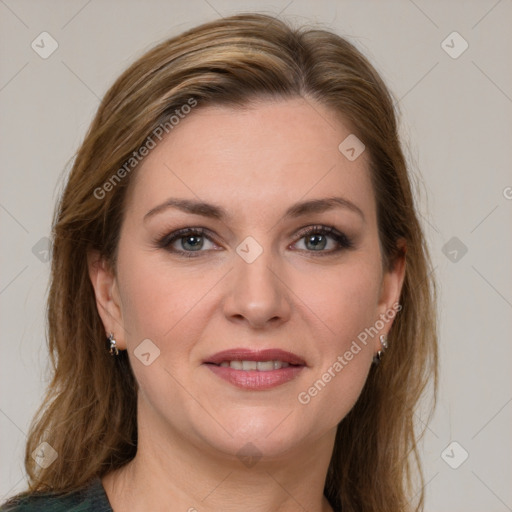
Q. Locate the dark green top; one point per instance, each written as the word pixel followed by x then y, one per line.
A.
pixel 89 499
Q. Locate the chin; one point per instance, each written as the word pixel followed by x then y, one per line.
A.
pixel 258 435
pixel 253 449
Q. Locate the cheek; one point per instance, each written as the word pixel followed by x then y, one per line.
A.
pixel 163 305
pixel 342 303
pixel 347 306
pixel 156 301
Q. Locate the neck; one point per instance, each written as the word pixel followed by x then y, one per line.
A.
pixel 173 473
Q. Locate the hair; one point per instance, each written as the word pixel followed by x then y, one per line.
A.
pixel 89 411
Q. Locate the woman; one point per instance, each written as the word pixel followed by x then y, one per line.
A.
pixel 241 314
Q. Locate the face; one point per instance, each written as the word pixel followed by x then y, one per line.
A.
pixel 281 267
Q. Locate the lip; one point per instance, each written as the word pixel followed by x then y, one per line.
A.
pixel 243 354
pixel 253 379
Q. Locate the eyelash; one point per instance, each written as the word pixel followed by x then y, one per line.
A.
pixel 341 239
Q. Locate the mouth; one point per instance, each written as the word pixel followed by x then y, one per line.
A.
pixel 260 360
pixel 260 366
pixel 255 370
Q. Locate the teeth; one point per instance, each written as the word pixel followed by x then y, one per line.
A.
pixel 247 365
pixel 261 366
pixel 236 365
pixel 265 366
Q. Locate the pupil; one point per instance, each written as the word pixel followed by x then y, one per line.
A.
pixel 317 242
pixel 195 244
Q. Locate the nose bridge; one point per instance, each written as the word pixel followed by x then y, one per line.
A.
pixel 256 293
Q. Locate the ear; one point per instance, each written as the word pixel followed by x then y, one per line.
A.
pixel 108 300
pixel 391 287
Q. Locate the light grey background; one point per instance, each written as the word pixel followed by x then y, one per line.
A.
pixel 456 121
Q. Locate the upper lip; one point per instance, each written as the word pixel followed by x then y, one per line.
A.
pixel 243 354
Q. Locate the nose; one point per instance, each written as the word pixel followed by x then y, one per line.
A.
pixel 257 293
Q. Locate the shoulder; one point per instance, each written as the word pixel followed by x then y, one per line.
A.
pixel 89 499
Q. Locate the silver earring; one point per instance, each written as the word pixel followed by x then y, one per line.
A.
pixel 114 351
pixel 384 342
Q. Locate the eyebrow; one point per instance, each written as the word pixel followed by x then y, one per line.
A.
pixel 217 212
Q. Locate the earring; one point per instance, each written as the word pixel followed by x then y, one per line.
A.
pixel 384 342
pixel 114 351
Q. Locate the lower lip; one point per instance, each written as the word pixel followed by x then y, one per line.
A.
pixel 254 379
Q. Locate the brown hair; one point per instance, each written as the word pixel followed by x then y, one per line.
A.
pixel 89 413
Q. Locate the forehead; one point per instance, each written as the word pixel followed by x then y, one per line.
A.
pixel 262 157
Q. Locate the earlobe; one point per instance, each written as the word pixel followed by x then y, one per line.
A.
pixel 107 297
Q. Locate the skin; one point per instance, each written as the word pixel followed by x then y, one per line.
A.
pixel 255 162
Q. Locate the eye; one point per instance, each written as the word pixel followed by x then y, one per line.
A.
pixel 320 238
pixel 187 241
pixel 191 242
